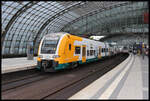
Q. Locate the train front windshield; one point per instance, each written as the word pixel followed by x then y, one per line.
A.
pixel 49 46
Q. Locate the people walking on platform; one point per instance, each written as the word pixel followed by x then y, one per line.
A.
pixel 146 52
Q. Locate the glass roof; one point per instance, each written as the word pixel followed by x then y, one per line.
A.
pixel 117 17
pixel 27 21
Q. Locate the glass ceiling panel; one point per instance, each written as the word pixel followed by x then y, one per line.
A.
pixel 8 10
pixel 36 18
pixel 113 12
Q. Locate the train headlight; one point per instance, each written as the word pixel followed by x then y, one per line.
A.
pixel 55 56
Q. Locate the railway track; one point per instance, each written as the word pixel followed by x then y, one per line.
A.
pixel 23 81
pixel 56 85
pixel 16 81
pixel 93 72
pixel 33 76
pixel 19 75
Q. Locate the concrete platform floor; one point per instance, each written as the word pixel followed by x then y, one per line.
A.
pixel 129 80
pixel 17 64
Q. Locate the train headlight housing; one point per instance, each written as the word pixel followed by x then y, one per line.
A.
pixel 55 56
pixel 39 57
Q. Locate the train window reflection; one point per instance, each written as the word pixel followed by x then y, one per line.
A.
pixel 49 46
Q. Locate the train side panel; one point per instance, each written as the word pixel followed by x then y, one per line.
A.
pixel 66 51
pixel 68 47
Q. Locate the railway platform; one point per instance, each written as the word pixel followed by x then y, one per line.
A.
pixel 17 64
pixel 129 80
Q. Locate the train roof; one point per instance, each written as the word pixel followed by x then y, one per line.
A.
pixel 55 34
pixel 59 34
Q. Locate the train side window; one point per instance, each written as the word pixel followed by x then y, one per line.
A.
pixel 69 46
pixel 91 52
pixel 94 52
pixel 102 50
pixel 77 50
pixel 87 52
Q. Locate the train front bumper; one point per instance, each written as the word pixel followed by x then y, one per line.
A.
pixel 47 65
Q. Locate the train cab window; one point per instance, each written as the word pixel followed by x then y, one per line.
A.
pixel 77 50
pixel 49 46
pixel 69 46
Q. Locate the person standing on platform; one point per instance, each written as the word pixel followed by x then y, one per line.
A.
pixel 146 52
pixel 143 52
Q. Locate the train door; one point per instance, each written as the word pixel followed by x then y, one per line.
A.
pixel 99 53
pixel 106 50
pixel 96 53
pixel 83 53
